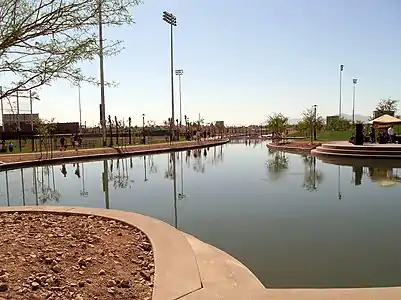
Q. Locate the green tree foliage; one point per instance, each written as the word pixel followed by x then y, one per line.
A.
pixel 45 129
pixel 387 105
pixel 277 123
pixel 340 124
pixel 308 122
pixel 44 40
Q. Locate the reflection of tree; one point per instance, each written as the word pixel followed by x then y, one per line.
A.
pixel 276 164
pixel 44 188
pixel 152 165
pixel 198 163
pixel 120 178
pixel 312 177
pixel 169 173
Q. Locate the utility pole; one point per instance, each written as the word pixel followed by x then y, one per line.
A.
pixel 354 82
pixel 2 113
pixel 179 73
pixel 170 19
pixel 80 108
pixel 101 66
pixel 31 110
pixel 341 81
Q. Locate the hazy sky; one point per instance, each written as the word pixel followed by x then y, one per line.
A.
pixel 244 60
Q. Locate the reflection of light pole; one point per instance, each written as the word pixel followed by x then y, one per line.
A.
pixel 23 186
pixel 175 192
pixel 179 73
pixel 354 82
pixel 144 167
pixel 35 180
pixel 106 184
pixel 7 190
pixel 339 183
pixel 181 195
pixel 170 19
pixel 83 192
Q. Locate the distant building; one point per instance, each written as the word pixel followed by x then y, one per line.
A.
pixel 10 121
pixel 330 119
pixel 380 113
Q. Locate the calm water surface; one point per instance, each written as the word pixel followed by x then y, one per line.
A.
pixel 294 221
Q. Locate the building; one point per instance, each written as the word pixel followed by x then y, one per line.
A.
pixel 10 121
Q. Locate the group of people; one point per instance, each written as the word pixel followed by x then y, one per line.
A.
pixel 382 135
pixel 4 146
pixel 76 141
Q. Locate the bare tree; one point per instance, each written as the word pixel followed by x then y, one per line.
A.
pixel 44 40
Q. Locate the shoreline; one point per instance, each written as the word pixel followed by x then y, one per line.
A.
pixel 296 148
pixel 33 159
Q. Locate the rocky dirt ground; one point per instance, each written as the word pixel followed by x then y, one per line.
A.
pixel 53 256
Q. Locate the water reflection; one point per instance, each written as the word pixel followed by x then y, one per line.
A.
pixel 310 238
pixel 277 164
pixel 312 177
pixel 44 185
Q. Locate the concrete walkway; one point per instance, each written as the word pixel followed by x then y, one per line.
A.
pixel 8 161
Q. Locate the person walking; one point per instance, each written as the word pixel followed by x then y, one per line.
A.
pixel 391 134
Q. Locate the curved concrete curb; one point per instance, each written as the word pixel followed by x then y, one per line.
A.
pixel 290 149
pixel 109 153
pixel 185 268
pixel 367 151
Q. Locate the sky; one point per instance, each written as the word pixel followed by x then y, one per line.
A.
pixel 242 61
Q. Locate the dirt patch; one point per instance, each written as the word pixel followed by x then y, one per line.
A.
pixel 54 256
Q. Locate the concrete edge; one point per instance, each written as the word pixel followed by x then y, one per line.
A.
pixel 391 293
pixel 92 157
pixel 288 149
pixel 176 270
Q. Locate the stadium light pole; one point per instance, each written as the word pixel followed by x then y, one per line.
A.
pixel 354 82
pixel 179 73
pixel 101 66
pixel 341 83
pixel 170 19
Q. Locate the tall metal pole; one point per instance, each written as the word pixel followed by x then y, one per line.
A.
pixel 80 108
pixel 172 82
pixel 179 83
pixel 2 112
pixel 314 121
pixel 354 82
pixel 341 80
pixel 102 101
pixel 18 120
pixel 31 109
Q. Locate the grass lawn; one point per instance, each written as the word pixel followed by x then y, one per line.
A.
pixel 329 135
pixel 87 143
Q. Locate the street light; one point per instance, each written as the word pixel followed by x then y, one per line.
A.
pixel 314 120
pixel 143 128
pixel 354 82
pixel 170 19
pixel 179 73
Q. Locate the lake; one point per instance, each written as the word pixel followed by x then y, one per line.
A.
pixel 292 220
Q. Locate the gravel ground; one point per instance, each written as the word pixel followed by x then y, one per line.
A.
pixel 53 256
